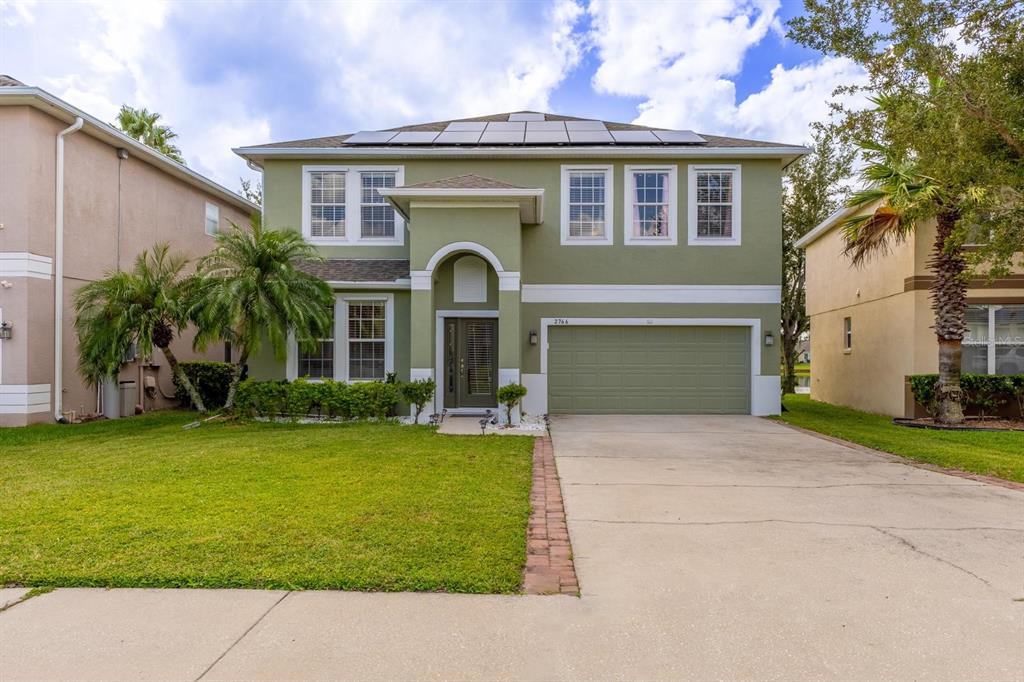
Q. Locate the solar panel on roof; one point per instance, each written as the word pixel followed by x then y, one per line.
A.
pixel 635 136
pixel 546 136
pixel 550 126
pixel 679 136
pixel 505 126
pixel 458 137
pixel 526 117
pixel 502 136
pixel 462 126
pixel 371 137
pixel 585 125
pixel 413 138
pixel 590 137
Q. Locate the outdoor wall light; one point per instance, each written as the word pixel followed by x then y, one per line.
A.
pixel 769 339
pixel 6 329
pixel 533 338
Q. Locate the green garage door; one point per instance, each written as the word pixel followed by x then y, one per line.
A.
pixel 649 370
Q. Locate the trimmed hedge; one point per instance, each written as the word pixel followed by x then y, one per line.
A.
pixel 211 380
pixel 984 394
pixel 334 399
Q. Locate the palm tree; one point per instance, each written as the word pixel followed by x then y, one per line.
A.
pixel 250 291
pixel 904 197
pixel 142 125
pixel 146 306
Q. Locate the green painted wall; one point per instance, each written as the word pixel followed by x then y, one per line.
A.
pixel 545 261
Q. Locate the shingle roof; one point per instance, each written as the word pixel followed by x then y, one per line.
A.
pixel 339 141
pixel 464 182
pixel 9 82
pixel 357 269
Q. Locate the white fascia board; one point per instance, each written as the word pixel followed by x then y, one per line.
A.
pixel 44 101
pixel 25 264
pixel 652 293
pixel 825 226
pixel 351 284
pixel 562 152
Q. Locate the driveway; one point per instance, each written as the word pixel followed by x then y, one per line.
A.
pixel 706 548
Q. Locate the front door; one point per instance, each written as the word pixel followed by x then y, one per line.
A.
pixel 470 362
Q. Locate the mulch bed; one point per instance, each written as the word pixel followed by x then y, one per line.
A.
pixel 970 424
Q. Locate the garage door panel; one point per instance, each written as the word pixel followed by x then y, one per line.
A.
pixel 649 370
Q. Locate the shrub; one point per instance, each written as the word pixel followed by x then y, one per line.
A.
pixel 211 380
pixel 373 399
pixel 302 398
pixel 509 395
pixel 983 393
pixel 261 398
pixel 418 394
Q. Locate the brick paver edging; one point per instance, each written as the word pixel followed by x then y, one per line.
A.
pixel 549 567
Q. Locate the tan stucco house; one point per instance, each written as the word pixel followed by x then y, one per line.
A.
pixel 871 326
pixel 78 199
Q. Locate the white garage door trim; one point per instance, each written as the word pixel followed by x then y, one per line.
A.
pixel 765 393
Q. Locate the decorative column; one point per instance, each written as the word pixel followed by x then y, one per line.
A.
pixel 509 337
pixel 421 335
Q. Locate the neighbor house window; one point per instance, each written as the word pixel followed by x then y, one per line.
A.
pixel 318 362
pixel 378 216
pixel 847 333
pixel 994 341
pixel 586 204
pixel 343 205
pixel 212 219
pixel 714 205
pixel 327 204
pixel 366 340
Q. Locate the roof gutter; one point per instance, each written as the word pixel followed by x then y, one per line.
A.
pixel 58 276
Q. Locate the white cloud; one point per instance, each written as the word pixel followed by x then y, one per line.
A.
pixel 14 12
pixel 682 58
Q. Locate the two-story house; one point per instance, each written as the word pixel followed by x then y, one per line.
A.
pixel 79 199
pixel 610 268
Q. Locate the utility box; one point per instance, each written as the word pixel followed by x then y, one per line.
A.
pixel 129 391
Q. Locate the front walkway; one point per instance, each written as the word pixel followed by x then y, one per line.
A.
pixel 706 548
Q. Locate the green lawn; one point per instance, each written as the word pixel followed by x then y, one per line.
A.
pixel 141 502
pixel 992 453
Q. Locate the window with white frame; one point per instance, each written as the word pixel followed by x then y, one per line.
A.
pixel 343 205
pixel 714 210
pixel 327 204
pixel 994 341
pixel 212 219
pixel 650 205
pixel 366 340
pixel 847 333
pixel 318 362
pixel 378 216
pixel 587 204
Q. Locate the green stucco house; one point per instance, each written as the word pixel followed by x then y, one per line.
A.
pixel 610 268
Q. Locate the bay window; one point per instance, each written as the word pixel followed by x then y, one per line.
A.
pixel 994 341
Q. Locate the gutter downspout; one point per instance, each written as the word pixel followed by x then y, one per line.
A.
pixel 58 277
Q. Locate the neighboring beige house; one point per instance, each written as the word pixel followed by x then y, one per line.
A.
pixel 871 326
pixel 109 199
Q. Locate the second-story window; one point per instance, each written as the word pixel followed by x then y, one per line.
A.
pixel 327 204
pixel 342 205
pixel 587 204
pixel 714 215
pixel 212 219
pixel 378 216
pixel 650 205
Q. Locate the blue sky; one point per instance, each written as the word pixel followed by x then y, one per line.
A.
pixel 225 74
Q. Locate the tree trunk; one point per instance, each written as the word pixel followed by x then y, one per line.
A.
pixel 236 377
pixel 789 357
pixel 185 382
pixel 949 295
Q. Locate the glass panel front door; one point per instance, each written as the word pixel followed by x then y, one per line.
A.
pixel 470 362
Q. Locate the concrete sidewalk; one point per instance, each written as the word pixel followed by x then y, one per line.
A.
pixel 729 548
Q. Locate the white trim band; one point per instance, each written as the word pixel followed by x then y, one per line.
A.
pixel 24 264
pixel 24 398
pixel 652 293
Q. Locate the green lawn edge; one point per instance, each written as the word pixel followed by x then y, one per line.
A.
pixel 998 454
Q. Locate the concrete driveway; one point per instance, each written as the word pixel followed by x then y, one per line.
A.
pixel 706 548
